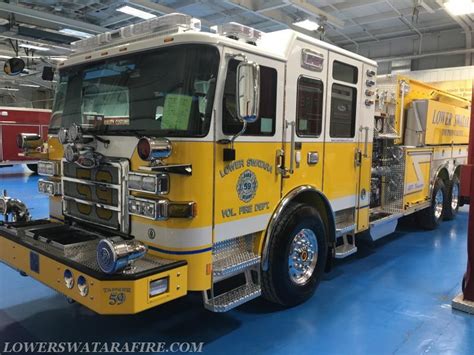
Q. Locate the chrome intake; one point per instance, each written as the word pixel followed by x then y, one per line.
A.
pixel 117 254
pixel 15 207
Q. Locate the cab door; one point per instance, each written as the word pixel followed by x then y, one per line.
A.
pixel 305 97
pixel 247 187
pixel 342 153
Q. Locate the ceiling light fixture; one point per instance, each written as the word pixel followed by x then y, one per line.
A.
pixel 10 89
pixel 30 85
pixel 32 46
pixel 459 7
pixel 307 25
pixel 135 12
pixel 75 33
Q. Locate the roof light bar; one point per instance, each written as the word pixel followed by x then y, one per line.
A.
pixel 170 23
pixel 238 31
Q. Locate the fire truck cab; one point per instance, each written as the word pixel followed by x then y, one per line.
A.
pixel 180 159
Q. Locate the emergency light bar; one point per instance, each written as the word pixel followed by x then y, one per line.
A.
pixel 170 23
pixel 238 31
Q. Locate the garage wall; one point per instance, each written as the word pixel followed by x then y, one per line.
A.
pixel 409 45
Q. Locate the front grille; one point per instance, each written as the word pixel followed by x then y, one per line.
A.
pixel 96 195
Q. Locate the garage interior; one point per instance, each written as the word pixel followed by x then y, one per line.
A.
pixel 393 296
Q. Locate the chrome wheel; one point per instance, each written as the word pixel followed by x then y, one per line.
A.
pixel 438 206
pixel 455 196
pixel 303 256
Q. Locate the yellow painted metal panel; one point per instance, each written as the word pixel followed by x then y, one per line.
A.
pixel 100 298
pixel 417 176
pixel 446 124
pixel 248 186
pixel 306 174
pixel 340 173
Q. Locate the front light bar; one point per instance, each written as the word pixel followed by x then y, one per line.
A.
pixel 48 168
pixel 160 210
pixel 51 188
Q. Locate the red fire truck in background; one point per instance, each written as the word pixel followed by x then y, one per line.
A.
pixel 22 123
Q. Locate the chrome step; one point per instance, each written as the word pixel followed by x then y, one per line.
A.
pixel 346 248
pixel 233 298
pixel 344 229
pixel 234 264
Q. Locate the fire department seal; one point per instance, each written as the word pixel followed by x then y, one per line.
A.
pixel 247 186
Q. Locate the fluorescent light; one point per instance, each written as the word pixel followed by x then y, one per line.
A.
pixel 75 33
pixel 307 25
pixel 30 85
pixel 32 46
pixel 59 58
pixel 136 12
pixel 6 56
pixel 10 89
pixel 459 7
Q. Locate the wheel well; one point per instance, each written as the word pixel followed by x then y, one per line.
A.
pixel 318 201
pixel 312 197
pixel 444 175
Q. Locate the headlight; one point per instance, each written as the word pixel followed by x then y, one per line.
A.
pixel 51 188
pixel 156 184
pixel 152 209
pixel 160 209
pixel 116 254
pixel 68 278
pixel 82 286
pixel 48 168
pixel 28 141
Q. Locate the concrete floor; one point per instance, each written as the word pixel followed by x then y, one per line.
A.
pixel 391 297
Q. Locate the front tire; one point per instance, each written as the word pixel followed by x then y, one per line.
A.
pixel 431 217
pixel 297 256
pixel 451 206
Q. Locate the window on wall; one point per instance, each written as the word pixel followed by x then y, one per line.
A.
pixel 343 111
pixel 265 125
pixel 309 107
pixel 344 72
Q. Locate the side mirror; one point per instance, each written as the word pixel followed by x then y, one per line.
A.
pixel 14 66
pixel 248 91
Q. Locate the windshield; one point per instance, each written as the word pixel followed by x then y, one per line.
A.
pixel 165 92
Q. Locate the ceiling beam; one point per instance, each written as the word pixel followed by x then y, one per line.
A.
pixel 349 5
pixel 45 19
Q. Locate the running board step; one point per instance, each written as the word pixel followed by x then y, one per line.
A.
pixel 234 264
pixel 233 298
pixel 346 248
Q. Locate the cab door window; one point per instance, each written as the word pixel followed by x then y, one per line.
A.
pixel 309 107
pixel 265 125
pixel 343 101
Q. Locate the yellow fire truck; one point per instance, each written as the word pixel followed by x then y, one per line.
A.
pixel 233 163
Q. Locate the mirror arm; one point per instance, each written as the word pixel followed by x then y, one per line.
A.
pixel 242 131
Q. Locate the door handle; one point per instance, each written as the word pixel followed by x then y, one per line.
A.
pixel 366 141
pixel 292 124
